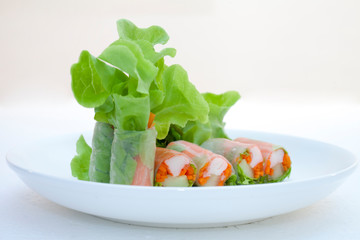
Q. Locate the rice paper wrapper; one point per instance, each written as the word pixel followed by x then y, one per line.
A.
pixel 267 149
pixel 201 157
pixel 164 155
pixel 132 157
pixel 231 151
pixel 99 170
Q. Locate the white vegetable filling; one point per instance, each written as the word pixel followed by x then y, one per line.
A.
pixel 176 163
pixel 171 181
pixel 277 157
pixel 247 170
pixel 212 181
pixel 216 167
pixel 278 171
pixel 256 156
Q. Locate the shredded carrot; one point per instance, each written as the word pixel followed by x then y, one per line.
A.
pixel 268 170
pixel 258 170
pixel 225 175
pixel 286 162
pixel 189 172
pixel 202 180
pixel 286 165
pixel 162 172
pixel 183 171
pixel 247 157
pixel 151 120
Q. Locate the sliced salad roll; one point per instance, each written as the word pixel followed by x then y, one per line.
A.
pixel 246 159
pixel 132 157
pixel 277 163
pixel 173 169
pixel 99 169
pixel 212 169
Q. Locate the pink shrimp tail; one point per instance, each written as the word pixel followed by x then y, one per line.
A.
pixel 142 176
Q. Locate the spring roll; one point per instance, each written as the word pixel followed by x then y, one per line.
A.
pixel 173 169
pixel 212 169
pixel 246 159
pixel 132 157
pixel 99 169
pixel 277 163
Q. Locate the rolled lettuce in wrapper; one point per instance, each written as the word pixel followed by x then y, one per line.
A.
pixel 212 169
pixel 173 169
pixel 246 159
pixel 276 160
pixel 132 158
pixel 99 170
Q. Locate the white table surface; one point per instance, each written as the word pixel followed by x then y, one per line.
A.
pixel 26 215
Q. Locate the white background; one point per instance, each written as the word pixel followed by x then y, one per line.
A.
pixel 295 63
pixel 295 51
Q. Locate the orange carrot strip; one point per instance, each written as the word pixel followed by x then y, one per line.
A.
pixel 258 170
pixel 247 157
pixel 286 162
pixel 202 180
pixel 191 175
pixel 267 168
pixel 225 175
pixel 151 120
pixel 162 172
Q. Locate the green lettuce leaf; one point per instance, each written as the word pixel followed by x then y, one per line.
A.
pixel 150 53
pixel 128 57
pixel 156 97
pixel 99 170
pixel 231 180
pixel 153 34
pixel 219 105
pixel 124 149
pixel 156 91
pixel 198 132
pixel 105 112
pixel 280 179
pixel 245 180
pixel 92 80
pixel 131 113
pixel 80 163
pixel 182 102
pixel 128 148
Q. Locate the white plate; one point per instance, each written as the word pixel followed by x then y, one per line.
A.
pixel 318 169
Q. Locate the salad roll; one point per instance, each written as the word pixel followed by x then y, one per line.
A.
pixel 277 163
pixel 132 157
pixel 246 159
pixel 99 169
pixel 212 169
pixel 173 169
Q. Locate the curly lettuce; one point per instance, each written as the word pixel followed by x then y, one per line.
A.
pixel 131 73
pixel 198 132
pixel 182 102
pixel 80 163
pixel 154 34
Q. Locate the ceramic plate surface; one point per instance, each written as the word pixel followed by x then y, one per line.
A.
pixel 318 169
